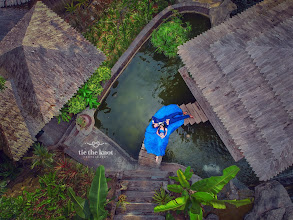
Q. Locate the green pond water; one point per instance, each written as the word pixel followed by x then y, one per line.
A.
pixel 149 82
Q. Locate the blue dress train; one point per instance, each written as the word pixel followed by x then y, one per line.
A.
pixel 152 142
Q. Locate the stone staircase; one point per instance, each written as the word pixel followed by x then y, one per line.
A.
pixel 139 186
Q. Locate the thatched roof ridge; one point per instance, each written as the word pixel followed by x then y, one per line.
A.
pixel 238 93
pixel 48 61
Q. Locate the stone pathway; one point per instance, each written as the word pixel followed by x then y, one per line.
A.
pixel 139 186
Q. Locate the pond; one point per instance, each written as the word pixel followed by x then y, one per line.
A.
pixel 149 82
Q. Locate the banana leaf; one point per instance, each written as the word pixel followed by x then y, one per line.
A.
pixel 187 173
pixel 215 184
pixel 172 205
pixel 98 193
pixel 78 203
pixel 193 216
pixel 203 196
pixel 182 179
pixel 195 207
pixel 221 204
pixel 175 188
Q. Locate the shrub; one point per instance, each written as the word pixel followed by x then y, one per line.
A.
pixel 47 202
pixel 2 83
pixel 76 104
pixel 161 197
pixel 41 158
pixel 169 36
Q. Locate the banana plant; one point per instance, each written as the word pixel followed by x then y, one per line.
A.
pixel 92 208
pixel 203 192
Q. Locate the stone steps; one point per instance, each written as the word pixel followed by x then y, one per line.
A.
pixel 137 197
pixel 145 175
pixel 138 209
pixel 139 188
pixel 138 217
pixel 143 185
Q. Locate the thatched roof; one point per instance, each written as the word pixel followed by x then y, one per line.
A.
pixel 9 18
pixel 47 61
pixel 243 69
pixel 6 3
pixel 13 125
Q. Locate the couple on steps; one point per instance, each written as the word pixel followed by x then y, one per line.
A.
pixel 162 123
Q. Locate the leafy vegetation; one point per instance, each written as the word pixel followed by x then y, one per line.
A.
pixel 94 206
pixel 41 158
pixel 70 7
pixel 204 192
pixel 86 95
pixel 55 198
pixel 169 36
pixel 119 25
pixel 2 83
pixel 76 104
pixel 47 202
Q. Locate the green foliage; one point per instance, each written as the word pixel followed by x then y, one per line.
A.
pixel 70 7
pixel 161 197
pixel 64 115
pixel 203 192
pixel 94 206
pixel 169 36
pixel 162 4
pixel 2 83
pixel 82 3
pixel 41 158
pixel 47 202
pixel 76 104
pixel 119 25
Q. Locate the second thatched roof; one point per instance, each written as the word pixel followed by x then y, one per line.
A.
pixel 243 69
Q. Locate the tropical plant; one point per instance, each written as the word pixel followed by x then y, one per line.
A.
pixel 84 91
pixel 203 192
pixel 122 202
pixel 70 7
pixel 41 158
pixel 76 104
pixel 161 197
pixel 2 83
pixel 82 3
pixel 64 115
pixel 94 206
pixel 169 36
pixel 92 101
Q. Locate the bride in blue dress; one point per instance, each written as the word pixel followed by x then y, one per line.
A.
pixel 170 117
